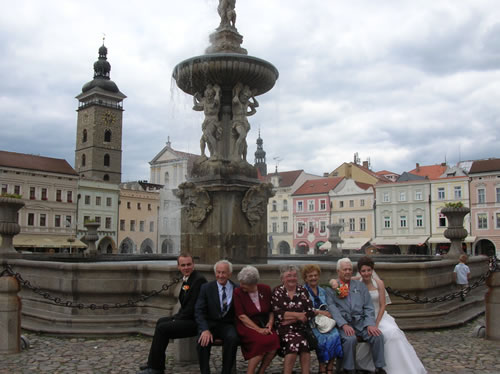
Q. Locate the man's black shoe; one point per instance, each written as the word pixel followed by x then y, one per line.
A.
pixel 143 366
pixel 150 371
pixel 380 371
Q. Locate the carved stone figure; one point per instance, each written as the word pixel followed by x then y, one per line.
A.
pixel 254 204
pixel 244 104
pixel 227 13
pixel 209 103
pixel 196 201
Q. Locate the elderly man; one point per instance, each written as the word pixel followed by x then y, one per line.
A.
pixel 180 325
pixel 351 306
pixel 214 313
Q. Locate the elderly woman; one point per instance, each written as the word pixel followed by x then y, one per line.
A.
pixel 329 344
pixel 254 323
pixel 292 310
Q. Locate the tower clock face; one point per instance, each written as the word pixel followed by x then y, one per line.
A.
pixel 108 118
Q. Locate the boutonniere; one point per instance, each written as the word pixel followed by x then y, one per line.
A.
pixel 185 287
pixel 342 290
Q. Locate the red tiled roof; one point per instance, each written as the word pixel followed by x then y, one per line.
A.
pixel 362 185
pixel 287 178
pixel 33 162
pixel 430 171
pixel 481 166
pixel 385 172
pixel 317 186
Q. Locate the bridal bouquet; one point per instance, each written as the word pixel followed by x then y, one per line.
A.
pixel 342 290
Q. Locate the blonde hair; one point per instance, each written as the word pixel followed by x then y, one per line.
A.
pixel 309 268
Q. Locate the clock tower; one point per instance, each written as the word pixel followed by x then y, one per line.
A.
pixel 98 154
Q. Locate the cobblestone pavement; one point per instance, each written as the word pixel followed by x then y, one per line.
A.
pixel 442 351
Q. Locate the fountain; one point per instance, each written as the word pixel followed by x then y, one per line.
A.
pixel 225 205
pixel 334 239
pixel 455 231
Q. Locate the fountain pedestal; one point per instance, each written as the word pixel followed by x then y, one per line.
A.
pixel 455 231
pixel 8 225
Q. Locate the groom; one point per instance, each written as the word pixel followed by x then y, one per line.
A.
pixel 352 309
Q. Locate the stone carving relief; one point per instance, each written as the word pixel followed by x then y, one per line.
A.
pixel 227 13
pixel 196 201
pixel 254 204
pixel 244 104
pixel 209 103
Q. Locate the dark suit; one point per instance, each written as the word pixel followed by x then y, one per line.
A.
pixel 180 325
pixel 208 315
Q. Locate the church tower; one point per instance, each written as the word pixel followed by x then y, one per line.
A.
pixel 98 154
pixel 260 157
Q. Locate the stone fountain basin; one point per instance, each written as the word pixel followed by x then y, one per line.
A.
pixel 225 69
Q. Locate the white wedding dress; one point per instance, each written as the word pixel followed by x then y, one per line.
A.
pixel 400 357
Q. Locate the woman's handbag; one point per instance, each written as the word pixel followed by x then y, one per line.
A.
pixel 324 324
pixel 312 341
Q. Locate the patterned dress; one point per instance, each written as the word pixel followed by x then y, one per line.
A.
pixel 329 344
pixel 292 338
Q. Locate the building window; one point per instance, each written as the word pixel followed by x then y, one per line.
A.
pixel 138 206
pixel 106 177
pixel 419 220
pixel 458 192
pixel 322 227
pixel 43 220
pixel 84 137
pixel 122 225
pixel 57 220
pixel 311 227
pixel 141 226
pixel 17 190
pixel 322 204
pixel 107 223
pixel 151 226
pixel 44 194
pixel 97 220
pixel 32 193
pixel 498 220
pixel 31 219
pixel 285 205
pixel 106 160
pixel 497 199
pixel 166 179
pixel 402 196
pixel 109 201
pixel 107 136
pixel 362 224
pixel 58 195
pixel 418 195
pixel 352 224
pixel 386 197
pixel 68 221
pixel 441 195
pixel 285 226
pixel 482 221
pixel 387 222
pixel 402 221
pixel 275 227
pixel 87 199
pixel 69 196
pixel 84 160
pixel 86 219
pixel 132 225
pixel 300 206
pixel 341 221
pixel 97 200
pixel 362 202
pixel 274 206
pixel 442 220
pixel 4 188
pixel 481 196
pixel 128 204
pixel 300 227
pixel 341 204
pixel 310 205
pixel 351 203
pixel 149 206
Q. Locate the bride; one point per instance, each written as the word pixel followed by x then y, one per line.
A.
pixel 400 357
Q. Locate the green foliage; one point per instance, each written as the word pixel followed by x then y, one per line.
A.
pixel 458 204
pixel 89 221
pixel 12 195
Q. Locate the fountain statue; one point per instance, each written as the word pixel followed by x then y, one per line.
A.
pixel 224 204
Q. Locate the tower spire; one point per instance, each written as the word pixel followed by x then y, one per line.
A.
pixel 260 157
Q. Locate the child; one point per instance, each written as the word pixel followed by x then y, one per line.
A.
pixel 461 274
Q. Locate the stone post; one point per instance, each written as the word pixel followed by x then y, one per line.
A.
pixel 10 316
pixel 492 300
pixel 91 237
pixel 9 226
pixel 455 231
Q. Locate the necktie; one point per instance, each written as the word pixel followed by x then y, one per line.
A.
pixel 224 300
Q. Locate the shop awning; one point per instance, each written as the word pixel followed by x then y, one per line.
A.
pixel 398 240
pixel 349 243
pixel 442 239
pixel 45 241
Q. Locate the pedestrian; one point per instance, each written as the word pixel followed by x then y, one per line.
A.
pixel 461 275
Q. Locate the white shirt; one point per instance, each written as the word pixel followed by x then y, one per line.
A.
pixel 229 293
pixel 462 270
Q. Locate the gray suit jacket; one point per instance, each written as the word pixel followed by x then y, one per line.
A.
pixel 355 310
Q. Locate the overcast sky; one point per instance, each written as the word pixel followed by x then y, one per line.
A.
pixel 397 81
